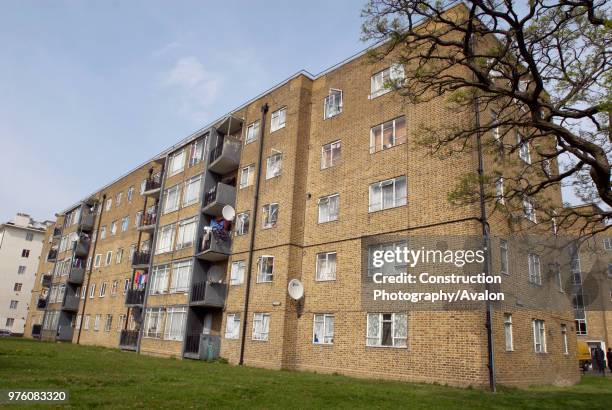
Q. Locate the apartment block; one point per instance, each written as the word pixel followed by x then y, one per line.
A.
pixel 21 243
pixel 319 171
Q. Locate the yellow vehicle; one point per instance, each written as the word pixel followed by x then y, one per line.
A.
pixel 584 355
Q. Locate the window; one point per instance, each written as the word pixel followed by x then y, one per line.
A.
pixel 326 266
pixel 237 273
pixel 232 326
pixel 159 279
pixel 29 236
pixel 195 152
pixel 387 329
pixel 13 304
pixel 103 232
pixel 9 323
pixel 508 332
pixel 97 322
pixel 252 132
pixel 523 148
pixel 564 338
pixel 126 285
pixel 88 263
pixel 186 233
pixel 503 256
pixel 242 223
pixel 333 104
pixel 387 194
pixel 556 272
pixel 165 241
pixel 495 126
pixel 539 336
pixel 119 255
pixel 97 261
pixel 143 186
pixel 330 154
pixel 388 135
pixel 118 199
pixel 92 290
pixel 17 287
pixel 176 163
pixel 114 288
pixel 323 329
pixel 21 270
pixel 191 193
pixel 171 199
pixel 103 289
pixel 261 326
pixel 535 276
pixel 152 323
pixel 270 215
pixel 125 223
pixel 265 269
pixel 175 323
pixel 109 258
pixel 132 251
pixel 247 175
pixel 109 323
pixel 181 272
pixel 607 243
pixel 109 204
pixel 130 194
pixel 383 81
pixel 499 190
pixel 86 322
pixel 25 253
pixel 77 323
pixel 329 208
pixel 120 321
pixel 83 292
pixel 388 268
pixel 278 119
pixel 529 210
pixel 113 229
pixel 274 164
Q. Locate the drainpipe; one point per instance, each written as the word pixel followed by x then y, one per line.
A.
pixel 93 256
pixel 262 129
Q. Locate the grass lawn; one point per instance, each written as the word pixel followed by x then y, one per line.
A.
pixel 111 378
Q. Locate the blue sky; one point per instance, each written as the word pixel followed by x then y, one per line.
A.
pixel 91 89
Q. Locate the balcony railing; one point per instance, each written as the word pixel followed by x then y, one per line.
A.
pixel 208 294
pixel 134 297
pixel 148 219
pixel 215 199
pixel 76 275
pixel 141 259
pixel 215 246
pixel 52 255
pixel 81 248
pixel 204 347
pixel 41 304
pixel 71 303
pixel 152 185
pixel 128 339
pixel 225 157
pixel 87 221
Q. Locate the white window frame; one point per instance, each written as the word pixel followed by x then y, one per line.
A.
pixel 523 149
pixel 499 191
pixel 176 162
pixel 323 258
pixel 269 215
pixel 398 199
pixel 191 192
pixel 334 151
pixel 247 176
pixel 539 336
pixel 241 227
pixel 376 340
pixel 327 322
pixel 237 270
pixel 263 276
pixel 394 73
pixel 186 233
pixel 326 201
pixel 155 315
pixel 504 251
pixel 165 240
pixel 564 339
pixel 274 165
pixel 397 139
pixel 171 207
pixel 261 326
pixel 252 132
pixel 160 275
pixel 232 331
pixel 278 119
pixel 102 290
pixel 534 268
pixel 181 273
pixel 332 105
pixel 176 318
pixel 508 332
pixel 529 211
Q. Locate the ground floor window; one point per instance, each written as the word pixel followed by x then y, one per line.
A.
pixel 323 329
pixel 261 326
pixel 539 336
pixel 232 326
pixel 387 329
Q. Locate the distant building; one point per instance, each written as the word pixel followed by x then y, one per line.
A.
pixel 21 242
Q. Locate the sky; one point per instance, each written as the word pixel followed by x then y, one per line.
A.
pixel 91 89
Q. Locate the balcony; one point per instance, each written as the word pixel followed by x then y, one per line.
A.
pixel 41 304
pixel 47 280
pixel 141 260
pixel 152 186
pixel 82 248
pixel 64 333
pixel 76 275
pixel 208 294
pixel 52 255
pixel 147 222
pixel 128 339
pixel 87 222
pixel 134 297
pixel 202 347
pixel 225 157
pixel 36 331
pixel 221 195
pixel 215 246
pixel 57 232
pixel 71 303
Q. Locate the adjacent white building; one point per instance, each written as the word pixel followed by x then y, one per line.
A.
pixel 21 243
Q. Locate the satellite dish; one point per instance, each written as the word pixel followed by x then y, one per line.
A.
pixel 296 289
pixel 215 274
pixel 228 212
pixel 74 237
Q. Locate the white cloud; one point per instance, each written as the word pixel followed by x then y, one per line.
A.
pixel 196 88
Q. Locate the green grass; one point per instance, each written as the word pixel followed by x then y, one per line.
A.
pixel 111 378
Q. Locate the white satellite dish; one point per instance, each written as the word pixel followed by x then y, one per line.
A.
pixel 295 289
pixel 228 212
pixel 74 237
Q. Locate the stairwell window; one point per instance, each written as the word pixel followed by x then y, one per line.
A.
pixel 181 272
pixel 326 266
pixel 252 132
pixel 191 192
pixel 499 191
pixel 503 257
pixel 329 208
pixel 330 154
pixel 237 273
pixel 270 215
pixel 247 176
pixel 113 228
pixel 130 194
pixel 333 104
pixel 508 332
pixel 564 339
pixel 387 194
pixel 103 289
pixel 125 223
pixel 539 336
pixel 523 148
pixel 109 323
pixel 109 204
pixel 384 81
pixel 261 326
pixel 86 322
pixel 97 319
pixel 232 326
pixel 159 279
pixel 186 233
pixel 171 199
pixel 265 269
pixel 242 223
pixel 176 163
pixel 109 258
pixel 535 275
pixel 165 241
pixel 529 209
pixel 152 323
pixel 119 256
pixel 175 323
pixel 274 165
pixel 323 329
pixel 387 330
pixel 278 119
pixel 114 288
pixel 388 134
